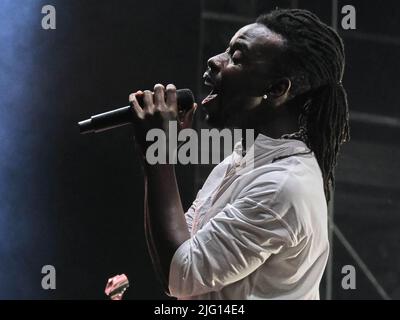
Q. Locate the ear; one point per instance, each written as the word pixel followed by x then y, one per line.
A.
pixel 279 91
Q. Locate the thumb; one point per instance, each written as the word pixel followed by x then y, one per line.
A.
pixel 188 118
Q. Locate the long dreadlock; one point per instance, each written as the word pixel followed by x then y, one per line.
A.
pixel 314 61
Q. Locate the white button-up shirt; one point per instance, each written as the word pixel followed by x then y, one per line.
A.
pixel 258 228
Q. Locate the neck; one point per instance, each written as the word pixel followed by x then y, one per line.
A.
pixel 272 121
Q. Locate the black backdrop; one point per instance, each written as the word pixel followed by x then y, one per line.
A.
pixel 74 201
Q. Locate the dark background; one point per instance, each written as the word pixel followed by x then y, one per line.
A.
pixel 76 202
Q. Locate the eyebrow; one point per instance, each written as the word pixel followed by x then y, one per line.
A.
pixel 239 45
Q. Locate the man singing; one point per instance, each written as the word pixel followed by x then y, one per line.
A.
pixel 262 233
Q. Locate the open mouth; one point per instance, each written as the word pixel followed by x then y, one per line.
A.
pixel 213 93
pixel 211 96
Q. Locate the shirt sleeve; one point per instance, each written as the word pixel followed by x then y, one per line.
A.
pixel 228 248
pixel 189 215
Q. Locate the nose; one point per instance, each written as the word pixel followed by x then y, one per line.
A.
pixel 215 63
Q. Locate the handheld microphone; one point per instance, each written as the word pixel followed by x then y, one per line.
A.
pixel 123 116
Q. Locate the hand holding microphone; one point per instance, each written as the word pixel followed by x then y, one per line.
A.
pixel 156 110
pixel 184 106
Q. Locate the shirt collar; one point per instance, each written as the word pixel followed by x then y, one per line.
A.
pixel 267 150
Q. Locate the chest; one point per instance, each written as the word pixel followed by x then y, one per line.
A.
pixel 217 192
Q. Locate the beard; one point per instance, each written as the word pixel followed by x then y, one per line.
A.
pixel 224 111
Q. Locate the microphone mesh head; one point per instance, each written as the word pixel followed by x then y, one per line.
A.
pixel 185 98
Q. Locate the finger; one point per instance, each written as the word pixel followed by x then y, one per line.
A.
pixel 117 297
pixel 159 97
pixel 187 120
pixel 189 115
pixel 139 97
pixel 139 94
pixel 138 111
pixel 171 98
pixel 148 103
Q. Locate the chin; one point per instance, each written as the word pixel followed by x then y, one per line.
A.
pixel 222 113
pixel 215 117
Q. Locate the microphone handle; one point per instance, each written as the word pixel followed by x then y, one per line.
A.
pixel 106 121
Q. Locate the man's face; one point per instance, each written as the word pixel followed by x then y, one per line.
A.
pixel 240 76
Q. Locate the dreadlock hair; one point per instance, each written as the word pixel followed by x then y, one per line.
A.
pixel 314 61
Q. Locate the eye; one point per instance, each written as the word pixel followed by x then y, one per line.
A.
pixel 237 56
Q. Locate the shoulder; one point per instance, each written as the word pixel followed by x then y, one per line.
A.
pixel 285 178
pixel 291 189
pixel 302 179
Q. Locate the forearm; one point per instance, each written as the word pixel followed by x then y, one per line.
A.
pixel 150 242
pixel 165 221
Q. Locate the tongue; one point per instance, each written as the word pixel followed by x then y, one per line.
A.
pixel 209 98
